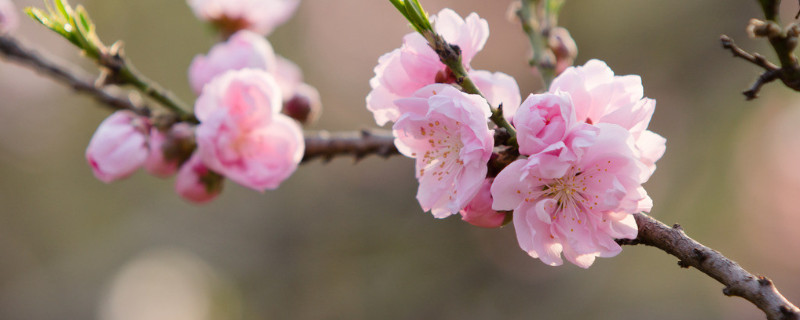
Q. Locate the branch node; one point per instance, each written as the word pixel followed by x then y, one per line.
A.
pixel 727 291
pixel 684 264
pixel 764 281
pixel 701 256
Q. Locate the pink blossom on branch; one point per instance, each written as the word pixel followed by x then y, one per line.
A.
pixel 543 120
pixel 9 19
pixel 169 149
pixel 601 97
pixel 259 16
pixel 414 65
pixel 446 131
pixel 479 212
pixel 499 89
pixel 196 183
pixel 575 206
pixel 244 49
pixel 118 147
pixel 242 135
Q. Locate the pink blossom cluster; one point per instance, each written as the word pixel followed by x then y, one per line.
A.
pixel 582 149
pixel 241 132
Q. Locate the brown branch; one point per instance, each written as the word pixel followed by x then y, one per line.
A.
pixel 327 145
pixel 14 51
pixel 738 282
pixel 783 42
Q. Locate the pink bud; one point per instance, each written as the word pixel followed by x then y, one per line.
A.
pixel 479 211
pixel 196 183
pixel 305 106
pixel 118 147
pixel 169 149
pixel 564 48
pixel 8 16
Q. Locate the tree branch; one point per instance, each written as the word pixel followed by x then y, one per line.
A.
pixel 14 51
pixel 738 282
pixel 327 145
pixel 783 42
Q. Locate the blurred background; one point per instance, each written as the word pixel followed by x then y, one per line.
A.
pixel 345 241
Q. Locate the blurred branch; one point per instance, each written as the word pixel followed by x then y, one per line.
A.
pixel 783 42
pixel 327 145
pixel 14 51
pixel 537 21
pixel 318 144
pixel 738 282
pixel 75 25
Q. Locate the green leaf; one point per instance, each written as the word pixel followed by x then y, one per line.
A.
pixel 85 21
pixel 64 8
pixel 39 16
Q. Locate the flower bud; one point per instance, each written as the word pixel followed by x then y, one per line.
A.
pixel 564 48
pixel 479 211
pixel 196 183
pixel 118 147
pixel 304 106
pixel 169 149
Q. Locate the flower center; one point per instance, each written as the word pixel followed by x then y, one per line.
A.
pixel 444 148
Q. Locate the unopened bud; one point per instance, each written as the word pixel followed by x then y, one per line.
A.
pixel 564 48
pixel 196 183
pixel 169 149
pixel 792 33
pixel 305 106
pixel 758 28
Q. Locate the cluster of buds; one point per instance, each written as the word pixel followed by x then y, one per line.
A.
pixel 248 114
pixel 567 165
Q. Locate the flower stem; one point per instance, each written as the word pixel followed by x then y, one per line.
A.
pixel 537 24
pixel 450 56
pixel 128 74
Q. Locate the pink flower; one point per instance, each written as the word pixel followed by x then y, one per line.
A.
pixel 499 89
pixel 601 97
pixel 446 131
pixel 242 135
pixel 8 16
pixel 542 120
pixel 260 16
pixel 414 65
pixel 245 49
pixel 196 183
pixel 118 147
pixel 479 211
pixel 169 149
pixel 579 206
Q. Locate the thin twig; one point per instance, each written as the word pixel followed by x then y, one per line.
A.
pixel 755 59
pixel 13 50
pixel 783 41
pixel 327 145
pixel 738 282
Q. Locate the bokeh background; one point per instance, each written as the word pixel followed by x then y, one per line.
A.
pixel 345 241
